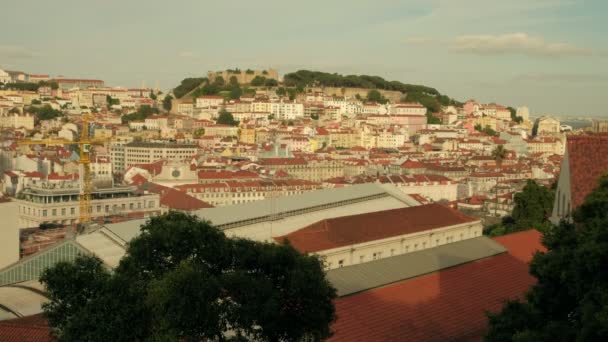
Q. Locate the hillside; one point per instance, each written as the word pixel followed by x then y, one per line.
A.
pixel 296 82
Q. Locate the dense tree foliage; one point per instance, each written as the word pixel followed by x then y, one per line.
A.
pixel 45 112
pixel 187 85
pixel 499 153
pixel 29 86
pixel 514 116
pixel 141 114
pixel 532 208
pixel 226 118
pixel 375 96
pixel 168 103
pixel 569 302
pixel 112 101
pixel 183 280
pixel 487 130
pixel 317 78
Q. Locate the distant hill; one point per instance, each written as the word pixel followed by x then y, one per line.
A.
pixel 429 97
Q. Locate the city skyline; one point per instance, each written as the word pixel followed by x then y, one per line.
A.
pixel 547 55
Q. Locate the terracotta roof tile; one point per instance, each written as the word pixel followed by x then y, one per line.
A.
pixel 588 159
pixel 349 230
pixel 441 306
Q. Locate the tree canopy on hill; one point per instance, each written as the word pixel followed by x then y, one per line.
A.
pixel 306 78
pixel 45 112
pixel 187 85
pixel 29 86
pixel 141 114
pixel 183 280
pixel 569 302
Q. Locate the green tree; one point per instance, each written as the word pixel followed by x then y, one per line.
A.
pixel 45 112
pixel 153 96
pixel 375 96
pixel 111 101
pixel 569 301
pixel 235 93
pixel 234 81
pixel 36 102
pixel 184 280
pixel 226 118
pixel 187 85
pixel 271 82
pixel 141 114
pixel 167 103
pixel 499 154
pixel 258 81
pixel 532 208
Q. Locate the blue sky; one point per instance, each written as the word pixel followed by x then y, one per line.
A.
pixel 551 55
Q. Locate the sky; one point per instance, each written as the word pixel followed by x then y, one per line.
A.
pixel 549 55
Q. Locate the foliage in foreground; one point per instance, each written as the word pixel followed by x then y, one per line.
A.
pixel 532 209
pixel 570 300
pixel 182 279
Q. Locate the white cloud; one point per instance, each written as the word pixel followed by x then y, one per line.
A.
pixel 514 43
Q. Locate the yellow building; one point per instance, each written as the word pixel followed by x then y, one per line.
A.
pixel 247 135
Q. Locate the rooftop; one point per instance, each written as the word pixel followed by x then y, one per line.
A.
pixel 350 230
pixel 440 306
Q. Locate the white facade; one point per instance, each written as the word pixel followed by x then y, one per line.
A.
pixel 407 109
pixel 287 110
pixel 4 77
pixel 209 101
pixel 14 120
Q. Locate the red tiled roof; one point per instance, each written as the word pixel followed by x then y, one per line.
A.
pixel 441 306
pixel 178 200
pixel 588 160
pixel 26 329
pixel 349 230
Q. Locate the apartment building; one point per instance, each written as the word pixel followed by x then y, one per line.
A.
pixel 237 192
pixel 45 202
pixel 124 156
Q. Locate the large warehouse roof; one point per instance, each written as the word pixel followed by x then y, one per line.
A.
pixel 272 210
pixel 350 230
pixel 449 305
pixel 361 277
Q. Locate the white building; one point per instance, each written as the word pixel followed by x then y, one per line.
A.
pixel 15 120
pixel 407 108
pixel 209 101
pixel 43 202
pixel 124 156
pixel 287 110
pixel 4 77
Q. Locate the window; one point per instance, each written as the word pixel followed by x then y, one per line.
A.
pixel 62 211
pixel 361 258
pixel 44 212
pixel 415 246
pixel 54 212
pixel 375 256
pixel 424 245
pixel 341 263
pixel 73 211
pixel 392 251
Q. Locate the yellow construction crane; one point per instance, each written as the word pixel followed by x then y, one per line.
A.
pixel 84 145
